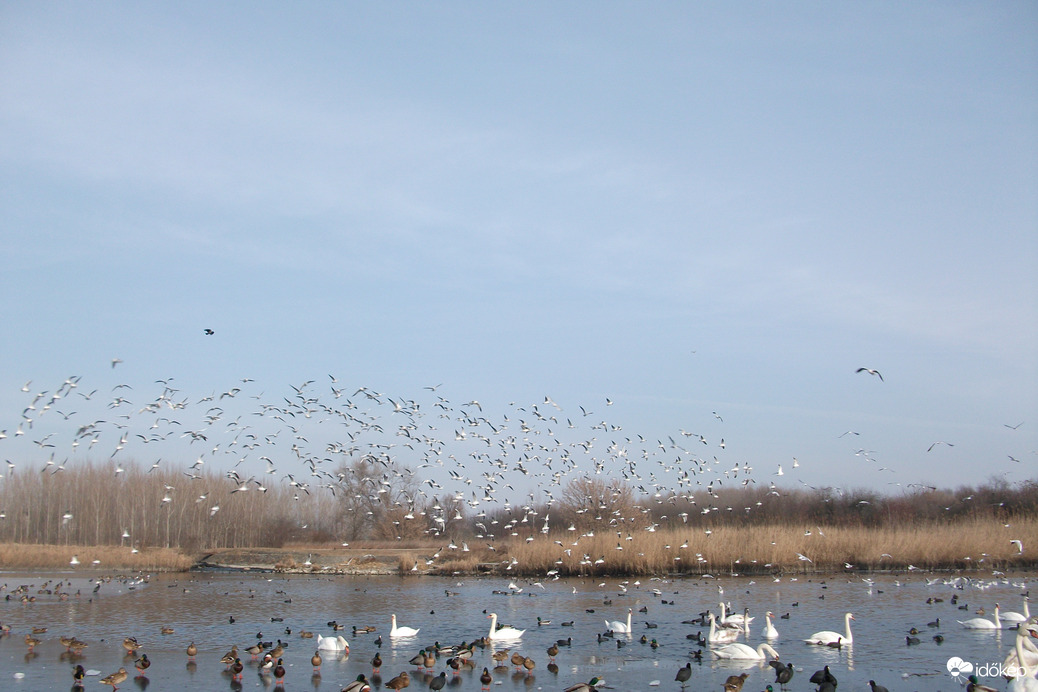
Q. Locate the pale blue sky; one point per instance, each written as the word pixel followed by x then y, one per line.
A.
pixel 683 207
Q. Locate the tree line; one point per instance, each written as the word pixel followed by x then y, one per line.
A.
pixel 133 505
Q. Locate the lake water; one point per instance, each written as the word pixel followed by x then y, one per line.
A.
pixel 450 611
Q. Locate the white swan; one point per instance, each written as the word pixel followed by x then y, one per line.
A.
pixel 745 652
pixel 724 635
pixel 828 637
pixel 769 629
pixel 620 627
pixel 1026 664
pixel 735 618
pixel 1013 616
pixel 505 632
pixel 402 631
pixel 1028 650
pixel 337 643
pixel 983 623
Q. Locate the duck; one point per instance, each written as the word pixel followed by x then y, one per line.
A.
pixel 131 645
pixel 396 631
pixel 142 663
pixel 506 632
pixel 485 678
pixel 553 651
pixel 358 685
pixel 236 669
pixel 336 643
pixel 315 660
pixel 115 679
pixel 279 671
pixel 589 686
pixel 399 682
pixel 734 683
pixel 376 663
pixel 529 664
pixel 826 637
pixel 517 660
pixel 743 652
pixel 191 650
pixel 418 659
pixel 620 627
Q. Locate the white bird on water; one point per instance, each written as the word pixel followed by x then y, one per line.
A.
pixel 506 632
pixel 827 637
pixel 396 631
pixel 983 623
pixel 620 627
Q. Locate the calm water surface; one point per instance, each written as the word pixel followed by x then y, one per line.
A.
pixel 199 608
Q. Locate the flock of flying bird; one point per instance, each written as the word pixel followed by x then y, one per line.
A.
pixel 303 437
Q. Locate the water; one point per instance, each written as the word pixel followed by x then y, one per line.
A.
pixel 451 611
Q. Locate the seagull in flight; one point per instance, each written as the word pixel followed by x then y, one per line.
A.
pixel 871 372
pixel 208 332
pixel 939 442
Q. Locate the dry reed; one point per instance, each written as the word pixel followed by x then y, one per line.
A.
pixel 106 558
pixel 969 544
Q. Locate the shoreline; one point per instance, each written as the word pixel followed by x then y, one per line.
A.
pixel 393 561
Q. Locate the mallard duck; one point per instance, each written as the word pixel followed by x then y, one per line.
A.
pixel 142 663
pixel 734 682
pixel 166 630
pixel 255 650
pixel 399 682
pixel 529 664
pixel 279 671
pixel 376 663
pixel 517 660
pixel 228 658
pixel 131 645
pixel 358 685
pixel 589 686
pixel 553 651
pixel 418 659
pixel 485 679
pixel 315 661
pixel 115 679
pixel 31 641
pixel 236 669
pixel 192 650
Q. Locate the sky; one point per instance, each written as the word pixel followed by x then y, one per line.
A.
pixel 690 219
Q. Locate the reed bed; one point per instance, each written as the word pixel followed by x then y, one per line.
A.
pixel 106 558
pixel 969 544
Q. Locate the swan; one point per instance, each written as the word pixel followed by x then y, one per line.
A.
pixel 337 643
pixel 620 627
pixel 827 637
pixel 983 623
pixel 1026 665
pixel 735 618
pixel 1012 616
pixel 505 632
pixel 769 629
pixel 1028 650
pixel 744 652
pixel 725 635
pixel 402 631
